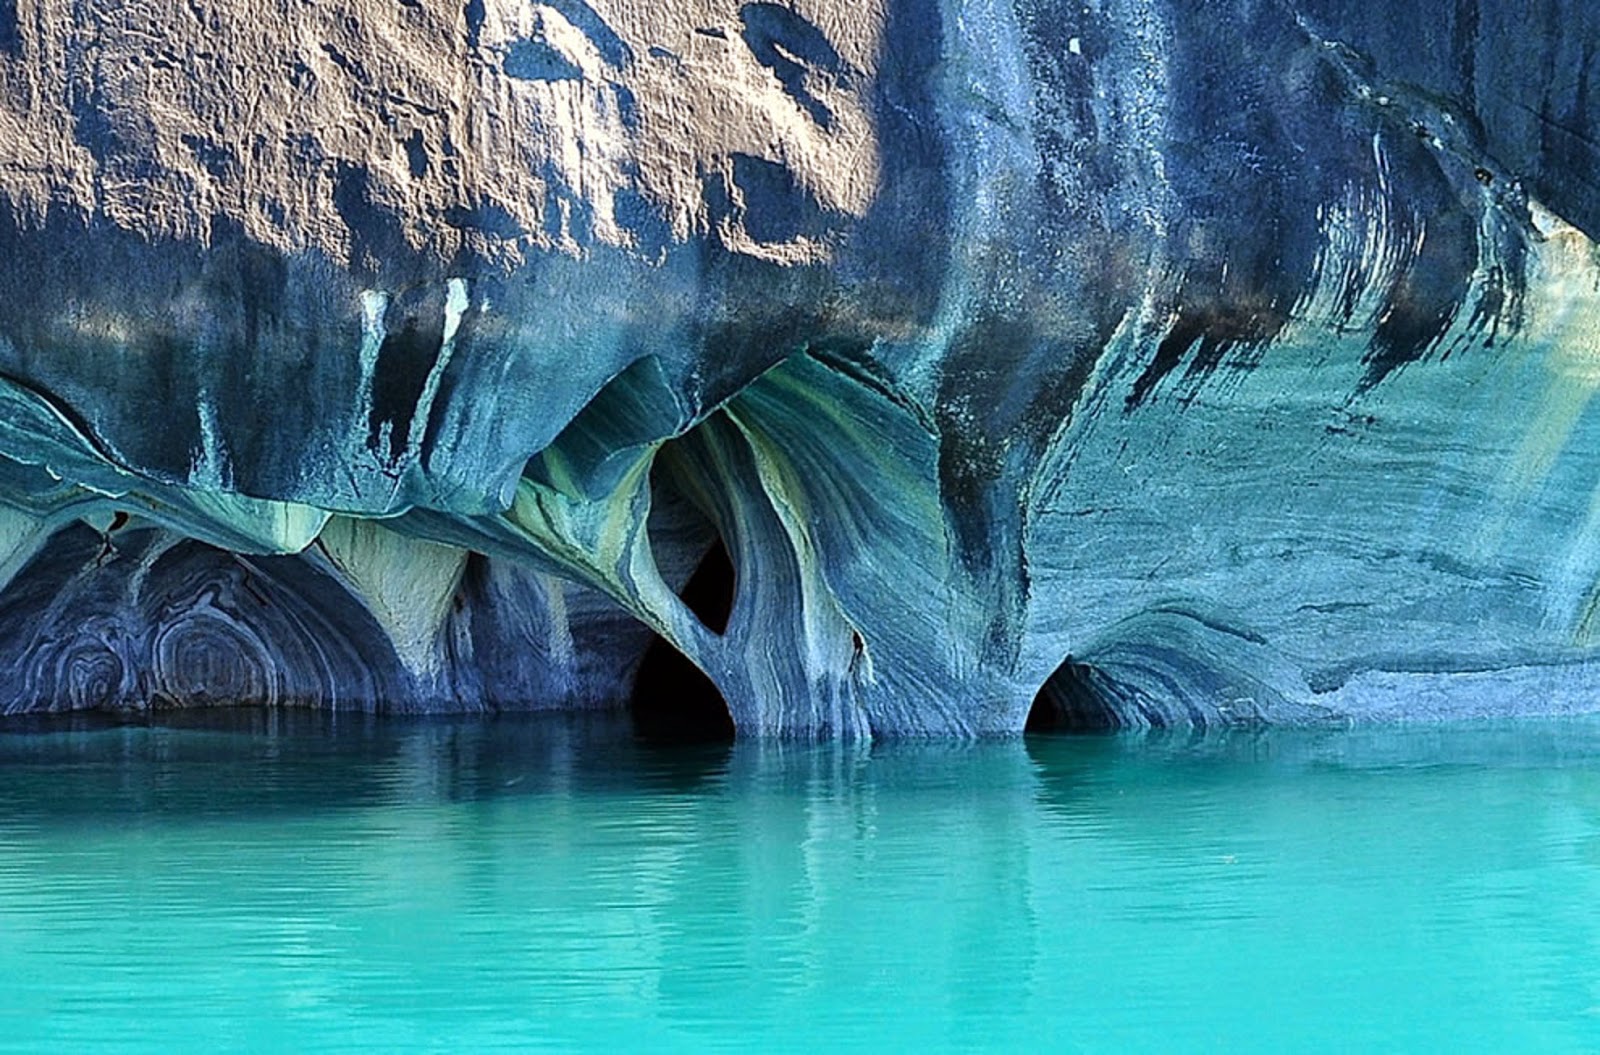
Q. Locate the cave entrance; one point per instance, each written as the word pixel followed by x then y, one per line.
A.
pixel 673 701
pixel 1074 699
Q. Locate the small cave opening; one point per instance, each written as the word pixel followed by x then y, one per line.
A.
pixel 1076 698
pixel 709 591
pixel 673 701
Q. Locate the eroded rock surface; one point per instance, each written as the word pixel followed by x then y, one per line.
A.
pixel 1130 363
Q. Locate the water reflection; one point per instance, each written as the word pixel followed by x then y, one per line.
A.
pixel 538 881
pixel 243 762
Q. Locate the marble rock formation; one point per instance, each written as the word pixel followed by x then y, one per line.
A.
pixel 1101 364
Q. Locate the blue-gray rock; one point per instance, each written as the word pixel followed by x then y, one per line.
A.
pixel 1143 362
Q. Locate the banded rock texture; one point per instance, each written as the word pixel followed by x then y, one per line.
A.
pixel 1138 362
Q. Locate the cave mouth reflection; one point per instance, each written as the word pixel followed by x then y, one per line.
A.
pixel 673 701
pixel 1075 699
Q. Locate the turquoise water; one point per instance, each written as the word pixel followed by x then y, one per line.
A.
pixel 316 886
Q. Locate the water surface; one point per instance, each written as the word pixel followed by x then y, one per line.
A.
pixel 313 884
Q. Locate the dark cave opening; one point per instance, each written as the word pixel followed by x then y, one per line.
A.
pixel 673 701
pixel 1074 699
pixel 709 591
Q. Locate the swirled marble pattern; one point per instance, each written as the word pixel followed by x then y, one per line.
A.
pixel 1127 363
